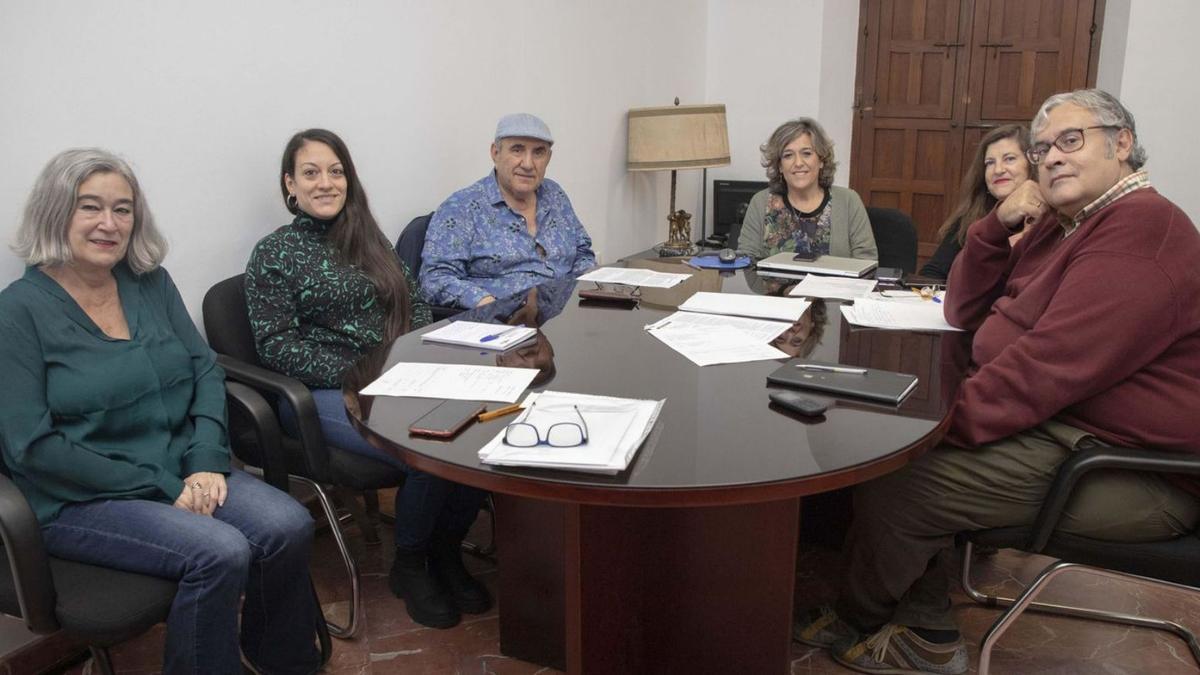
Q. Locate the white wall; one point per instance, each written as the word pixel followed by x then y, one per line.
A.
pixel 1157 82
pixel 774 60
pixel 202 96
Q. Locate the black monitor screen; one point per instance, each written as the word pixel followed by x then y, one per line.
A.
pixel 730 199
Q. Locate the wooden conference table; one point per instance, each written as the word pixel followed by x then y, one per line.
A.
pixel 684 562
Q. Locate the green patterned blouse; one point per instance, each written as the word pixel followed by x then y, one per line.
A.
pixel 312 316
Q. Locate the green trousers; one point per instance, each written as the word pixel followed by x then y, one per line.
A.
pixel 904 523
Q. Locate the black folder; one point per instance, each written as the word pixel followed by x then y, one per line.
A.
pixel 877 385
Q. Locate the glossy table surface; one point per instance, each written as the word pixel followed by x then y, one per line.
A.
pixel 717 440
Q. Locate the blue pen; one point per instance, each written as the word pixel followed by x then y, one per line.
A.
pixel 495 336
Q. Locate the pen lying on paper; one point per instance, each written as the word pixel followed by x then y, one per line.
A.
pixel 496 336
pixel 499 412
pixel 832 369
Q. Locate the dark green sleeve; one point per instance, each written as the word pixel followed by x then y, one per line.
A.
pixel 421 314
pixel 35 450
pixel 275 319
pixel 208 449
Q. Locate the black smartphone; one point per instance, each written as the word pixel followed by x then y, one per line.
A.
pixel 806 256
pixel 889 274
pixel 446 419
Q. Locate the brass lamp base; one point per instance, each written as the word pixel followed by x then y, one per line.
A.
pixel 679 236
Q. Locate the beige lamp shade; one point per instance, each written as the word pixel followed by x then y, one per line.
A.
pixel 677 137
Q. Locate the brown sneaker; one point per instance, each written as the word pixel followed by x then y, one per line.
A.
pixel 896 649
pixel 821 627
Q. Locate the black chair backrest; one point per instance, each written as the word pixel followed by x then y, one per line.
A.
pixel 411 241
pixel 895 238
pixel 226 320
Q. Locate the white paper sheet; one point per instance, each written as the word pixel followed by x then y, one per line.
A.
pixel 898 313
pixel 449 380
pixel 634 277
pixel 710 345
pixel 617 427
pixel 476 334
pixel 746 304
pixel 761 329
pixel 837 288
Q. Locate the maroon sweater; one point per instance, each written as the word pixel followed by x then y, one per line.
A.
pixel 1101 329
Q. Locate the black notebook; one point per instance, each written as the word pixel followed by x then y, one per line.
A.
pixel 873 384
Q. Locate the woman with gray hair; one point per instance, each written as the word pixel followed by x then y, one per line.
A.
pixel 114 429
pixel 801 210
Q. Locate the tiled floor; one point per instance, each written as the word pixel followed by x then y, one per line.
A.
pixel 391 643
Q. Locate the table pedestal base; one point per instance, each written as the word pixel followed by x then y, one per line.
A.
pixel 604 589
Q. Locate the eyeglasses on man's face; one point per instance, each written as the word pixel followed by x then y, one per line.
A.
pixel 1068 141
pixel 522 434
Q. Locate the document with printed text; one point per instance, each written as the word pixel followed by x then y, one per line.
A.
pixel 451 380
pixel 634 277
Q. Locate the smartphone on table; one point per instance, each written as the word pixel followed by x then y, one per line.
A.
pixel 446 419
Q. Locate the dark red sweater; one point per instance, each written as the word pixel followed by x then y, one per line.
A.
pixel 1101 329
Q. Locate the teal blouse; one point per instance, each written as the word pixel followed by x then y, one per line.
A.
pixel 87 416
pixel 314 317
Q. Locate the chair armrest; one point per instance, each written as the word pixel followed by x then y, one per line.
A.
pixel 27 559
pixel 266 431
pixel 1103 457
pixel 312 441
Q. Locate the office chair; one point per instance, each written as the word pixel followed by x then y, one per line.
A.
pixel 895 238
pixel 99 606
pixel 409 246
pixel 304 458
pixel 1174 563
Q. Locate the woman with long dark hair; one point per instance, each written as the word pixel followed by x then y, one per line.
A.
pixel 998 167
pixel 321 292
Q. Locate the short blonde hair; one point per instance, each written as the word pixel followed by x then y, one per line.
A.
pixel 787 132
pixel 42 236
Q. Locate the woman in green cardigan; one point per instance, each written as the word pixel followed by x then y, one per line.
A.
pixel 801 210
pixel 114 429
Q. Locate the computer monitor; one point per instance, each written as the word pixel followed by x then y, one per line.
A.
pixel 730 199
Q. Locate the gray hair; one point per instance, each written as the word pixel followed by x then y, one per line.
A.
pixel 42 236
pixel 787 132
pixel 1105 107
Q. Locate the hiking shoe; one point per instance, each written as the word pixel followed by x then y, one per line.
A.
pixel 821 627
pixel 896 649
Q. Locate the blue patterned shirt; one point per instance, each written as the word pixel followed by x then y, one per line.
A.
pixel 477 246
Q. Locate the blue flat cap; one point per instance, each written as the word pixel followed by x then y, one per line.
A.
pixel 523 124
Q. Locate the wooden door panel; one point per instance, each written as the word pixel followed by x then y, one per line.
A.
pixel 912 166
pixel 1027 53
pixel 917 59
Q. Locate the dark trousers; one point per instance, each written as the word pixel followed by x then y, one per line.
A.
pixel 904 522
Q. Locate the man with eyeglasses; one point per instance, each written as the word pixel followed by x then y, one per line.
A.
pixel 1087 331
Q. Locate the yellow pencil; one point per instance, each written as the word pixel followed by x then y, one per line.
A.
pixel 490 415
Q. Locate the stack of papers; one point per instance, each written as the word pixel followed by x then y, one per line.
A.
pixel 897 313
pixel 834 288
pixel 746 304
pixel 707 339
pixel 452 380
pixel 482 335
pixel 616 429
pixel 634 277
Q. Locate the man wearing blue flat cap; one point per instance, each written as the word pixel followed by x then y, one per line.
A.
pixel 508 232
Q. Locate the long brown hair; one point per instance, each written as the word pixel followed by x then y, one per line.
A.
pixel 355 236
pixel 974 200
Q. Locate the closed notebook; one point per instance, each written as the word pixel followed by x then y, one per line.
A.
pixel 877 385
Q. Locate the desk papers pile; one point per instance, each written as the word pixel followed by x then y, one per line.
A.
pixel 833 288
pixel 494 336
pixel 746 304
pixel 898 314
pixel 616 427
pixel 708 339
pixel 450 380
pixel 634 277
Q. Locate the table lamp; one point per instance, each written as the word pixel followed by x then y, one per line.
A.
pixel 677 137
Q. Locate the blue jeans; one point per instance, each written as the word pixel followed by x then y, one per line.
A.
pixel 426 506
pixel 259 542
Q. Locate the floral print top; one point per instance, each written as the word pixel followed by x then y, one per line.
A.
pixel 787 229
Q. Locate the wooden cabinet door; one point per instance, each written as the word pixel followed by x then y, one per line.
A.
pixel 914 64
pixel 1023 51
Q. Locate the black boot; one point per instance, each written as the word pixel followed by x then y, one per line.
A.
pixel 445 558
pixel 426 599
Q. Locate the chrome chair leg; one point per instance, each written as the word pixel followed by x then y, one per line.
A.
pixel 488 549
pixel 101 661
pixel 1015 606
pixel 331 514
